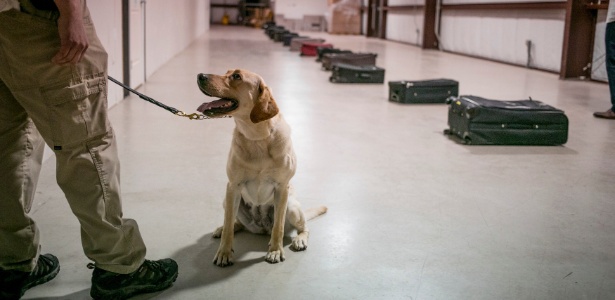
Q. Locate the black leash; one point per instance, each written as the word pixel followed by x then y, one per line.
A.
pixel 175 111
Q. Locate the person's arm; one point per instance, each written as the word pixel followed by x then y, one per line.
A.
pixel 73 39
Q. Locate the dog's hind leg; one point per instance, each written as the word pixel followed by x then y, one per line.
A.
pixel 218 232
pixel 297 219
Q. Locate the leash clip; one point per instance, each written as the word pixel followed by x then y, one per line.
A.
pixel 193 116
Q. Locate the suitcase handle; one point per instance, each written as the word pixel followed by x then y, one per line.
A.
pixel 364 75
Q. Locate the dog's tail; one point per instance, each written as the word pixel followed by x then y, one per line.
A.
pixel 314 212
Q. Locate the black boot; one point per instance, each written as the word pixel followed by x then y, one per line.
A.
pixel 151 276
pixel 13 284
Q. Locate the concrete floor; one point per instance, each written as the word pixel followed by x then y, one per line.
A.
pixel 412 214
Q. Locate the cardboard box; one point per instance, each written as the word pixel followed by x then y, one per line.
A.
pixel 342 22
pixel 344 17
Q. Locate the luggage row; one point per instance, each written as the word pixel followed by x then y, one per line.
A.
pixel 472 120
pixel 346 66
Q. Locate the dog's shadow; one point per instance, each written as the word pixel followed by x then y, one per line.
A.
pixel 196 267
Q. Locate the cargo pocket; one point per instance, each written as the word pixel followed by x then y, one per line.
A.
pixel 77 112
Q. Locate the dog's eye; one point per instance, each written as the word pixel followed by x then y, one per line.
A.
pixel 236 76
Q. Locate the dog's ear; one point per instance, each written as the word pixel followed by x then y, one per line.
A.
pixel 265 107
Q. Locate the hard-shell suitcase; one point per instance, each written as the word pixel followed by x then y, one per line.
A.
pixel 311 49
pixel 277 35
pixel 270 28
pixel 268 24
pixel 345 73
pixel 478 121
pixel 287 36
pixel 323 51
pixel 357 59
pixel 273 30
pixel 295 44
pixel 423 91
pixel 287 39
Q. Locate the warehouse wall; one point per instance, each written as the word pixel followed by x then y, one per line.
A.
pixel 165 38
pixel 171 26
pixel 406 26
pixel 296 9
pixel 502 35
pixel 107 16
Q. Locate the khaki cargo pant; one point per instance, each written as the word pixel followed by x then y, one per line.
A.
pixel 68 106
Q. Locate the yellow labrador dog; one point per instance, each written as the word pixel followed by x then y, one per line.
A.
pixel 260 165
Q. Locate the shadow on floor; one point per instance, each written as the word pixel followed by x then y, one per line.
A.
pixel 196 267
pixel 80 295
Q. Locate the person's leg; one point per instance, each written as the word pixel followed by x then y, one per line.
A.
pixel 68 104
pixel 21 267
pixel 20 163
pixel 69 107
pixel 610 59
pixel 610 69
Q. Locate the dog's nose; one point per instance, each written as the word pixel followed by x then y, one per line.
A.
pixel 201 78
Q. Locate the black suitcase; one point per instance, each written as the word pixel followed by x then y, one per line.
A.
pixel 478 121
pixel 277 35
pixel 323 51
pixel 345 73
pixel 272 32
pixel 287 39
pixel 268 24
pixel 423 91
pixel 268 31
pixel 288 36
pixel 357 59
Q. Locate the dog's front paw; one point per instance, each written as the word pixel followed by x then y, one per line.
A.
pixel 223 258
pixel 275 256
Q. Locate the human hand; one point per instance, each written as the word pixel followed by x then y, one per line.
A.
pixel 73 39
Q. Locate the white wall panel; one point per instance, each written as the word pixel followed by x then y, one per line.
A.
pixel 107 17
pixel 406 26
pixel 405 2
pixel 502 35
pixel 296 9
pixel 170 27
pixel 494 1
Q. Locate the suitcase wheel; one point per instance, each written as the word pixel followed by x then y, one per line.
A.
pixel 332 79
pixel 466 139
pixel 395 97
